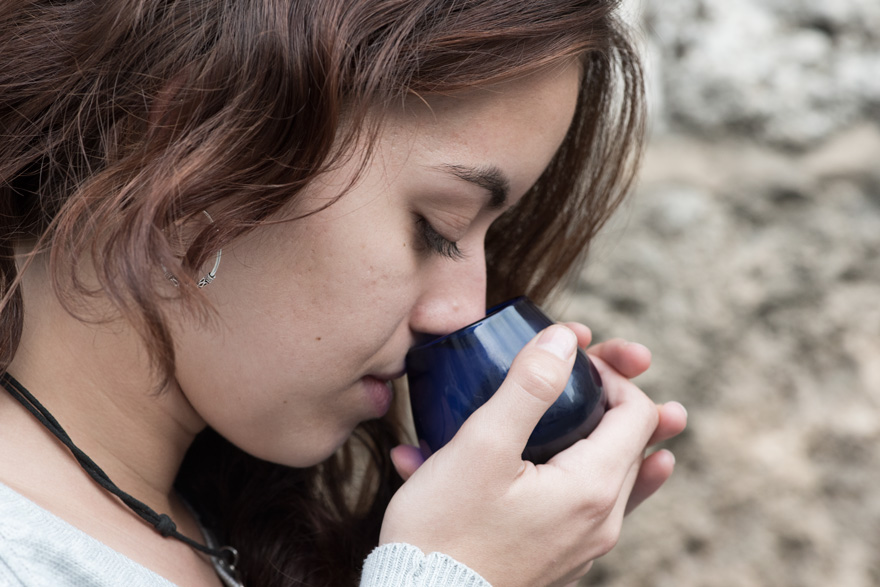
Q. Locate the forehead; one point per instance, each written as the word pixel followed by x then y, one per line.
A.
pixel 515 126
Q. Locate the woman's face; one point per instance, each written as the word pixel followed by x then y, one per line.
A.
pixel 315 316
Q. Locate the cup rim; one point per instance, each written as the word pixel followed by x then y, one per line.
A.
pixel 496 309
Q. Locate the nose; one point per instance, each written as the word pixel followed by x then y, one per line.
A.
pixel 453 295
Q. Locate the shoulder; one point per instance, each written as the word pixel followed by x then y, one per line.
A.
pixel 38 548
pixel 398 565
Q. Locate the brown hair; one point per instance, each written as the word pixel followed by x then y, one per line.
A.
pixel 123 118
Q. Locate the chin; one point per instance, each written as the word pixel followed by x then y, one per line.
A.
pixel 301 456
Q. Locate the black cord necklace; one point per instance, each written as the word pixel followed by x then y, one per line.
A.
pixel 224 557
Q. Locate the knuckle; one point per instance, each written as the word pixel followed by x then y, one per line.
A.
pixel 603 502
pixel 650 413
pixel 643 407
pixel 607 538
pixel 606 530
pixel 616 342
pixel 538 378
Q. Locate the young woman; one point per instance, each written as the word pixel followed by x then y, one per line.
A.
pixel 224 222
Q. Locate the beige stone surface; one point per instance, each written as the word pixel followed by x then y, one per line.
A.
pixel 748 260
pixel 753 274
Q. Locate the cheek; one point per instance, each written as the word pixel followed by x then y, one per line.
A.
pixel 284 316
pixel 363 265
pixel 296 327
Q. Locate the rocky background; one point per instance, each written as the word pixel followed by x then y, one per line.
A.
pixel 748 260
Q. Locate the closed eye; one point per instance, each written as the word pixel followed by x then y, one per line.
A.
pixel 436 242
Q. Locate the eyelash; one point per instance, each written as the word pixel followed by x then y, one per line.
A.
pixel 437 243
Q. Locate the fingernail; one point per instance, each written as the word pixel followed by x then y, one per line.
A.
pixel 558 340
pixel 683 409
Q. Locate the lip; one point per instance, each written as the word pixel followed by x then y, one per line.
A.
pixel 379 394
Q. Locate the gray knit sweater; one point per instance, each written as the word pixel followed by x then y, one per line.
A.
pixel 38 549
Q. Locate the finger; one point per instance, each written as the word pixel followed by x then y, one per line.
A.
pixel 631 359
pixel 673 421
pixel 539 372
pixel 654 472
pixel 406 460
pixel 584 334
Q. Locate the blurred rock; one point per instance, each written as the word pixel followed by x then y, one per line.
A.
pixel 748 260
pixel 786 72
pixel 753 274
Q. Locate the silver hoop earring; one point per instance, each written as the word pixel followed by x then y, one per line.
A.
pixel 210 275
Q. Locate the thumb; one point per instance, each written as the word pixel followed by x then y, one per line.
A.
pixel 536 378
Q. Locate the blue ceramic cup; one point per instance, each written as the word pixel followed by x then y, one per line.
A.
pixel 451 376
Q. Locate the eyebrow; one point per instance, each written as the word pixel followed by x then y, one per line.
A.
pixel 488 178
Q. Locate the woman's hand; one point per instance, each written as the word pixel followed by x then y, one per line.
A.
pixel 516 523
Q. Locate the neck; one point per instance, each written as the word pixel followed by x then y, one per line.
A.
pixel 95 378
